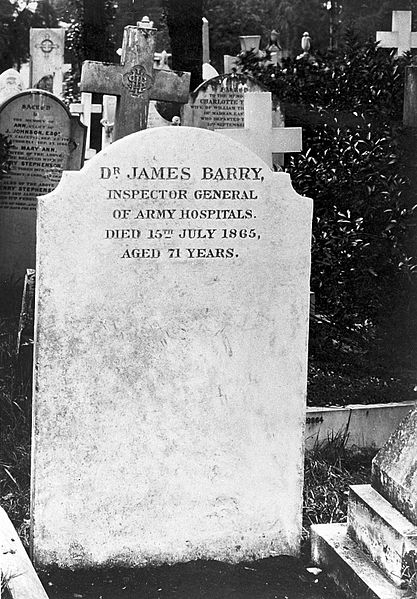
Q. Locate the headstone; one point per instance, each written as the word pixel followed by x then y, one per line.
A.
pixel 401 37
pixel 249 42
pixel 154 118
pixel 134 81
pixel 10 84
pixel 229 64
pixel 382 523
pixel 84 110
pixel 45 140
pixel 218 103
pixel 27 310
pixel 17 575
pixel 107 122
pixel 47 59
pixel 171 352
pixel 258 133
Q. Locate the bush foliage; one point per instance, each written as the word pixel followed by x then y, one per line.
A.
pixel 354 166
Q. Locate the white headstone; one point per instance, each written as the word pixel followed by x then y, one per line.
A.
pixel 47 59
pixel 84 110
pixel 401 36
pixel 10 84
pixel 171 352
pixel 259 135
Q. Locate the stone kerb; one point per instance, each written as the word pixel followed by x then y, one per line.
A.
pixel 169 409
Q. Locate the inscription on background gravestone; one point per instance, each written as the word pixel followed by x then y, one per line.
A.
pixel 171 353
pixel 218 102
pixel 45 139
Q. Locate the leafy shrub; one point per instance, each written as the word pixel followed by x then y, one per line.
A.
pixel 353 165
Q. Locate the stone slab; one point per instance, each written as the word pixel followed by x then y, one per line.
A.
pixel 394 468
pixel 169 403
pixel 383 533
pixel 366 425
pixel 218 103
pixel 359 578
pixel 17 574
pixel 45 140
pixel 47 59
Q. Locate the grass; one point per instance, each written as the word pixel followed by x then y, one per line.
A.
pixel 330 468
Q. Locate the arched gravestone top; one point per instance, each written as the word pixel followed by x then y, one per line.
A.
pixel 171 352
pixel 11 83
pixel 218 102
pixel 45 140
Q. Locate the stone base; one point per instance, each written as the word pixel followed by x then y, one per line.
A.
pixel 353 571
pixel 383 533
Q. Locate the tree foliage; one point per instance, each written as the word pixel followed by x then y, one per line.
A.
pixel 15 22
pixel 353 165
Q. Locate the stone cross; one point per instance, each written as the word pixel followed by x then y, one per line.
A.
pixel 134 81
pixel 258 134
pixel 84 110
pixel 401 36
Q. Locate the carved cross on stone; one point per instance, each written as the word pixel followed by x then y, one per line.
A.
pixel 134 81
pixel 258 134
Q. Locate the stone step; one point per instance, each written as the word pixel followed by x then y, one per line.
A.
pixel 383 533
pixel 341 557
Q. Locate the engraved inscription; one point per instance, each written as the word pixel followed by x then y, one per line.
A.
pixel 157 213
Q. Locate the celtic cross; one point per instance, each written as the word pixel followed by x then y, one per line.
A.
pixel 134 81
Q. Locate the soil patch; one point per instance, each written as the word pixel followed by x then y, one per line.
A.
pixel 282 577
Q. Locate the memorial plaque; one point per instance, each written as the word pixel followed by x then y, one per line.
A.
pixel 218 102
pixel 45 140
pixel 171 353
pixel 47 59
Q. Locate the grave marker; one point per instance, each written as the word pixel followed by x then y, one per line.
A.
pixel 10 84
pixel 135 81
pixel 259 135
pixel 84 110
pixel 171 352
pixel 218 102
pixel 376 551
pixel 45 141
pixel 47 59
pixel 401 37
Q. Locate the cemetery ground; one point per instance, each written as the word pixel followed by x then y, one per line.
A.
pixel 329 469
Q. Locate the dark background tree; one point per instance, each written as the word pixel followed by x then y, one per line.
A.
pixel 15 22
pixel 184 20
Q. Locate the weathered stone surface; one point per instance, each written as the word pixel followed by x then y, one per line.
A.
pixel 171 352
pixel 394 469
pixel 383 533
pixel 45 140
pixel 47 59
pixel 11 84
pixel 135 82
pixel 218 103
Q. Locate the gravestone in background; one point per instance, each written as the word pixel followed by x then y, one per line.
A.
pixel 218 103
pixel 10 84
pixel 47 59
pixel 171 353
pixel 45 140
